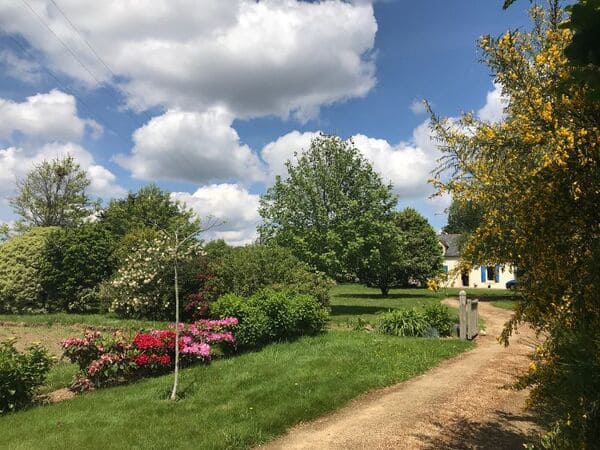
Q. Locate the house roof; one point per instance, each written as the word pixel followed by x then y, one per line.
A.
pixel 451 243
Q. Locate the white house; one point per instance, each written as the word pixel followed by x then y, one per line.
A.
pixel 494 277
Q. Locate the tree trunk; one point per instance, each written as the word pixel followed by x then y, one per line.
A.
pixel 176 380
pixel 385 290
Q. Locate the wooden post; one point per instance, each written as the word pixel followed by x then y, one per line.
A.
pixel 462 314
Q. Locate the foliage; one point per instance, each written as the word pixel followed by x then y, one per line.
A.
pixel 22 264
pixel 327 208
pixel 149 208
pixel 246 270
pixel 583 52
pixel 537 176
pixel 4 232
pixel 438 317
pixel 385 261
pixel 271 316
pixel 53 194
pixel 143 286
pixel 21 373
pixel 105 360
pixel 407 252
pixel 403 322
pixel 422 252
pixel 78 259
pixel 463 217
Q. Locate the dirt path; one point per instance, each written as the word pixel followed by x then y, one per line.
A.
pixel 461 404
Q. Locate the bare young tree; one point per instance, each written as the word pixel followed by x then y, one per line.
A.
pixel 179 237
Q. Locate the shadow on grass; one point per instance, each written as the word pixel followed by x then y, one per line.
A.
pixel 500 434
pixel 391 296
pixel 339 310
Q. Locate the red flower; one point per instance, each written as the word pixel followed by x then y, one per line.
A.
pixel 141 360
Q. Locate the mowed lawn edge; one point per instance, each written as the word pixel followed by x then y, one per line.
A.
pixel 233 403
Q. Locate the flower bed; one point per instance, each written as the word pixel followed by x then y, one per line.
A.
pixel 105 360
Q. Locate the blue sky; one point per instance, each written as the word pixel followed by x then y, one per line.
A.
pixel 208 99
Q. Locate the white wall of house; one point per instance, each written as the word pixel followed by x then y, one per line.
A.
pixel 494 278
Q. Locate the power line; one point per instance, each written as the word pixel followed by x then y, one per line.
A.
pixel 67 89
pixel 43 22
pixel 96 54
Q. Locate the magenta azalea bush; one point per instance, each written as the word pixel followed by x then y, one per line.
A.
pixel 117 358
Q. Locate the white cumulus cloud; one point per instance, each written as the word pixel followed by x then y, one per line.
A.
pixel 230 204
pixel 253 58
pixel 495 102
pixel 51 117
pixel 191 146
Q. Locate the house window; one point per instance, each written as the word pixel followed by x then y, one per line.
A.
pixel 491 273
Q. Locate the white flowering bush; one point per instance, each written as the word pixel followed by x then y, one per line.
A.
pixel 143 286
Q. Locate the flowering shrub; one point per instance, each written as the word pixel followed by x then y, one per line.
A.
pixel 143 286
pixel 116 359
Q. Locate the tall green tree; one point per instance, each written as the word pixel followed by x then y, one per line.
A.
pixel 53 194
pixel 326 208
pixel 149 207
pixel 422 251
pixel 407 251
pixel 463 217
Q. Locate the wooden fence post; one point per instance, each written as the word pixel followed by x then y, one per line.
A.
pixel 462 314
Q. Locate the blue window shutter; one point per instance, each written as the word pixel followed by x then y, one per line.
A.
pixel 483 274
pixel 497 273
pixel 446 269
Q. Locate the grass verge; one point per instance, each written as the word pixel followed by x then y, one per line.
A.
pixel 233 403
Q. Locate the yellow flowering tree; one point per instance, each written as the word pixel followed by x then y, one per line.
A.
pixel 536 174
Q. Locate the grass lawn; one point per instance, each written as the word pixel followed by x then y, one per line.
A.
pixel 351 301
pixel 232 403
pixel 60 376
pixel 109 321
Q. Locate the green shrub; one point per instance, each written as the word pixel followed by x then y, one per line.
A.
pixel 78 260
pixel 270 316
pixel 21 374
pixel 246 270
pixel 22 268
pixel 438 317
pixel 307 315
pixel 403 322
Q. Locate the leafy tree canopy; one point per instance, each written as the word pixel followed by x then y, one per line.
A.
pixel 407 252
pixel 53 194
pixel 326 209
pixel 151 207
pixel 463 217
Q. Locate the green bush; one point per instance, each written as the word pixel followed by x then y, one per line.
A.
pixel 21 374
pixel 246 270
pixel 78 260
pixel 438 317
pixel 270 316
pixel 403 322
pixel 22 268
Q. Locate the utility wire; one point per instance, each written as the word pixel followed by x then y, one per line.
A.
pixel 43 22
pixel 96 54
pixel 70 91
